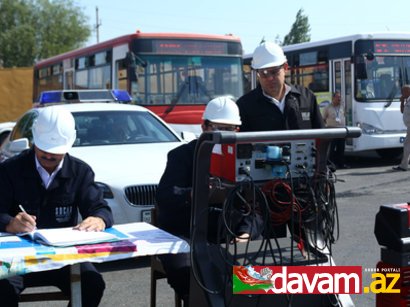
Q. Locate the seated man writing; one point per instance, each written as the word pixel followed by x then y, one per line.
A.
pixel 52 187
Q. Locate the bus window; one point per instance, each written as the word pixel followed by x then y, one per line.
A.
pixel 315 77
pixel 406 66
pixel 81 79
pixel 382 80
pixel 191 80
pixel 99 77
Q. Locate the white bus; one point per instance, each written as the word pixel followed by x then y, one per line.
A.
pixel 368 70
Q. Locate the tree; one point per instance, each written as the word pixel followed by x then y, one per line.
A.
pixel 299 33
pixel 37 29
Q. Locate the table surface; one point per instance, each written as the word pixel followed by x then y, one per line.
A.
pixel 19 255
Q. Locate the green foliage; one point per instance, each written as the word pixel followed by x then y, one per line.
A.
pixel 37 29
pixel 300 31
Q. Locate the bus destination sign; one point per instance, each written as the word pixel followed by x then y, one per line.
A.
pixel 392 46
pixel 189 47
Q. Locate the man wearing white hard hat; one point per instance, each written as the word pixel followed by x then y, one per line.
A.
pixel 174 194
pixel 52 187
pixel 274 104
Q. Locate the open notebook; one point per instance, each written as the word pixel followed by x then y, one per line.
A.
pixel 69 236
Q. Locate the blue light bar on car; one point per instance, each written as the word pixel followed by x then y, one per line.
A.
pixel 121 95
pixel 71 96
pixel 50 97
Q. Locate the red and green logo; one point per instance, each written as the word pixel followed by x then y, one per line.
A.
pixel 247 280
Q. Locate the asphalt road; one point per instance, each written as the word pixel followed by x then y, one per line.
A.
pixel 369 183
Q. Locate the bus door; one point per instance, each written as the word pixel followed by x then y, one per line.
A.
pixel 342 81
pixel 68 66
pixel 119 68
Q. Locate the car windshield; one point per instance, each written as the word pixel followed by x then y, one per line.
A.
pixel 107 128
pixel 119 127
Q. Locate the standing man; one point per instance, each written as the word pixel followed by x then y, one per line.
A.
pixel 405 109
pixel 52 187
pixel 174 194
pixel 274 104
pixel 334 117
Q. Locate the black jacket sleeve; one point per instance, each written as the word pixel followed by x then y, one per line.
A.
pixel 174 191
pixel 91 201
pixel 5 199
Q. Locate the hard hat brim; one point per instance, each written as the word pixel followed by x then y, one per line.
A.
pixel 52 148
pixel 268 65
pixel 225 122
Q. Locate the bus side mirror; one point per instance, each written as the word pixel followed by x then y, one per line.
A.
pixel 370 56
pixel 131 64
pixel 361 71
pixel 130 60
pixel 133 60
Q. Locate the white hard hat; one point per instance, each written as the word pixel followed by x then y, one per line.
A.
pixel 222 110
pixel 267 55
pixel 54 130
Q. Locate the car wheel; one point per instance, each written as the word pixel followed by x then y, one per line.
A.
pixel 390 153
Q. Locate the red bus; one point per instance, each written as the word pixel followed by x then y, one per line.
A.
pixel 174 75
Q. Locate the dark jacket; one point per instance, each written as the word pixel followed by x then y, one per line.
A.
pixel 174 199
pixel 174 191
pixel 301 111
pixel 72 190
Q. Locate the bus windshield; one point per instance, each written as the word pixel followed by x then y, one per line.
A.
pixel 381 78
pixel 186 79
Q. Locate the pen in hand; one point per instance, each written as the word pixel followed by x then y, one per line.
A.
pixel 24 211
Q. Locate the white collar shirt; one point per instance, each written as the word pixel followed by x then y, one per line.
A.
pixel 280 104
pixel 45 176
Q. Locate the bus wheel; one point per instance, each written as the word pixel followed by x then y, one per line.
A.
pixel 390 153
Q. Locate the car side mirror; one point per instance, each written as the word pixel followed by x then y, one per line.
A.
pixel 19 145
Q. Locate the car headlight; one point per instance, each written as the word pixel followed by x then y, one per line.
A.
pixel 107 193
pixel 369 129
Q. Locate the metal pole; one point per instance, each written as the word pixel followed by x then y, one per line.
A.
pixel 97 24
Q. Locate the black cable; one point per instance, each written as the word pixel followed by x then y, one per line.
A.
pixel 195 273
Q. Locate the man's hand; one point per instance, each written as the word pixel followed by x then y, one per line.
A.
pixel 91 223
pixel 22 222
pixel 242 238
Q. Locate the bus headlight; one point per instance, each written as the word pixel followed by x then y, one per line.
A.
pixel 369 129
pixel 107 193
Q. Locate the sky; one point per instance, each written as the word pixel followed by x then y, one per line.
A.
pixel 251 21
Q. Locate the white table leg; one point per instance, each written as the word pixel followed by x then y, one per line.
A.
pixel 75 276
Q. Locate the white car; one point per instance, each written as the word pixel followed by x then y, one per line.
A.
pixel 126 146
pixel 5 129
